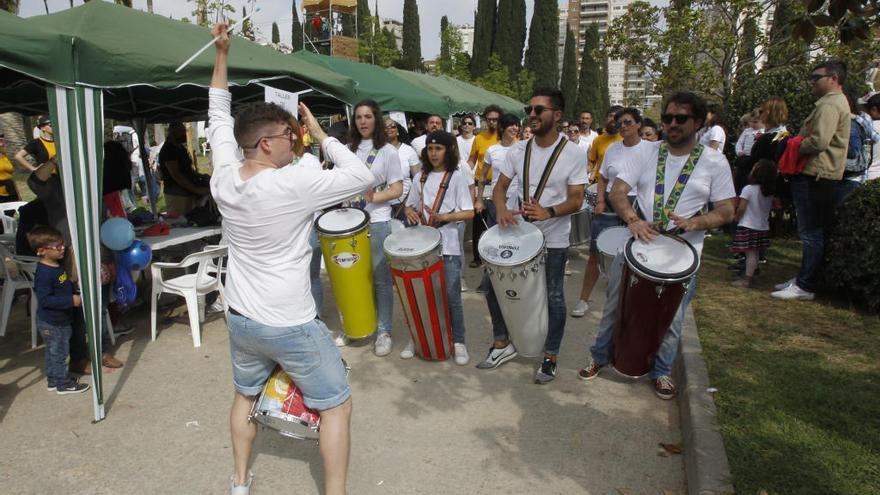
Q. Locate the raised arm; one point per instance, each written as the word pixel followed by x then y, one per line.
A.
pixel 218 78
pixel 224 147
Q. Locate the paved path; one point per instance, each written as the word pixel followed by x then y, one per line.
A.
pixel 418 427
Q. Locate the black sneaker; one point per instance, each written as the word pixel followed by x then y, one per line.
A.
pixel 546 373
pixel 71 387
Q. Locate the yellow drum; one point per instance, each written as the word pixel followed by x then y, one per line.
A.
pixel 345 244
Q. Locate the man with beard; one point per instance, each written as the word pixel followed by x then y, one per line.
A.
pixel 602 142
pixel 547 158
pixel 488 137
pixel 434 123
pixel 692 176
pixel 587 132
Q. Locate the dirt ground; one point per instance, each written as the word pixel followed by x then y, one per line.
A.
pixel 418 427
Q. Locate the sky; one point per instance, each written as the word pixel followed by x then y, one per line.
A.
pixel 430 12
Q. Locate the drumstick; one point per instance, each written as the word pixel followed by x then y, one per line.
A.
pixel 208 45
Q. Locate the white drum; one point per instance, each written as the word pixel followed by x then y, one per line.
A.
pixel 396 225
pixel 514 260
pixel 610 242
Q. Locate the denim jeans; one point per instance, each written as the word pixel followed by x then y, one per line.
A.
pixel 844 188
pixel 57 340
pixel 554 266
pixel 602 349
pixel 315 272
pixel 452 275
pixel 814 204
pixel 383 286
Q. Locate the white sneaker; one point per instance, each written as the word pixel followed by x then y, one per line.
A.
pixel 244 489
pixel 464 287
pixel 216 307
pixel 409 351
pixel 580 308
pixel 784 285
pixel 341 340
pixel 383 345
pixel 461 355
pixel 794 292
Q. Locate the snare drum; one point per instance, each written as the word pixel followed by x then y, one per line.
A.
pixel 416 262
pixel 345 244
pixel 581 223
pixel 654 280
pixel 514 260
pixel 610 242
pixel 281 408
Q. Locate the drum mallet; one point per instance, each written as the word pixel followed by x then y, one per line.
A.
pixel 208 45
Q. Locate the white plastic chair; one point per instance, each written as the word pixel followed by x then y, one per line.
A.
pixel 10 223
pixel 17 273
pixel 192 286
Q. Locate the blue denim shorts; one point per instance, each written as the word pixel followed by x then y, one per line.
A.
pixel 306 352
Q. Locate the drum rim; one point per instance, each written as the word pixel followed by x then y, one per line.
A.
pixel 414 254
pixel 540 251
pixel 657 276
pixel 347 231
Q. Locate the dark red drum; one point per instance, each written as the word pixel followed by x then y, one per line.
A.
pixel 654 280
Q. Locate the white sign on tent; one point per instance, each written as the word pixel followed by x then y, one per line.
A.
pixel 289 101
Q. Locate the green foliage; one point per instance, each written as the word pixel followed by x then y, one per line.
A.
pixel 569 80
pixel 453 61
pixel 411 58
pixel 276 35
pixel 484 35
pixel 364 16
pixel 510 35
pixel 208 11
pixel 782 48
pixel 852 21
pixel 854 246
pixel 789 83
pixel 542 55
pixel 247 27
pixel 590 80
pixel 497 78
pixel 377 45
pixel 296 31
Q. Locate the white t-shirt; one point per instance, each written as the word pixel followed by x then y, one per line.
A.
pixel 714 133
pixel 467 172
pixel 589 137
pixel 457 198
pixel 874 169
pixel 408 159
pixel 464 146
pixel 386 171
pixel 569 171
pixel 710 182
pixel 757 215
pixel 267 221
pixel 584 145
pixel 495 156
pixel 619 154
pixel 418 144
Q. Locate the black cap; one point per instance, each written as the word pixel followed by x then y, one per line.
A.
pixel 43 120
pixel 440 137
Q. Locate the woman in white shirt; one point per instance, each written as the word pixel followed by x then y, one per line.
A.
pixel 367 139
pixel 713 135
pixel 466 136
pixel 409 165
pixel 495 155
pixel 445 211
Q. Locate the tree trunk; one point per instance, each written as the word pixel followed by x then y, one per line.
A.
pixel 149 5
pixel 17 133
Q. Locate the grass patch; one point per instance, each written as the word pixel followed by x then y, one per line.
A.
pixel 799 382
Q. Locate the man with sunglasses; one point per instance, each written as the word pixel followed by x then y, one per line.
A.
pixel 697 175
pixel 268 206
pixel 825 136
pixel 555 173
pixel 574 135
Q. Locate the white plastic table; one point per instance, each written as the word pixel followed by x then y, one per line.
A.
pixel 180 235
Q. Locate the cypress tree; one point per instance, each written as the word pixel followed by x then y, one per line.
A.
pixel 605 101
pixel 363 14
pixel 296 31
pixel 484 34
pixel 542 55
pixel 411 58
pixel 444 44
pixel 782 48
pixel 510 34
pixel 590 79
pixel 569 80
pixel 276 35
pixel 746 52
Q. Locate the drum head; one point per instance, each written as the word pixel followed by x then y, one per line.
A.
pixel 667 257
pixel 511 246
pixel 342 221
pixel 414 241
pixel 612 240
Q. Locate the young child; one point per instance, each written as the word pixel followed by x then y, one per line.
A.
pixel 753 215
pixel 56 300
pixel 428 205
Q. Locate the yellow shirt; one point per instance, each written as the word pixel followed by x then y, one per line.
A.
pixel 597 152
pixel 50 147
pixel 6 170
pixel 482 143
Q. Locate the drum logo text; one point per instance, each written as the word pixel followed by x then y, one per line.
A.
pixel 511 294
pixel 346 260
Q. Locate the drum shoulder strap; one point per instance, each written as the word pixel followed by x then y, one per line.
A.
pixel 548 168
pixel 441 192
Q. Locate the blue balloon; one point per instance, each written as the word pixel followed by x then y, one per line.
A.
pixel 137 257
pixel 117 233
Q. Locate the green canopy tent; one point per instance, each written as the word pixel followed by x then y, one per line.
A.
pixel 462 97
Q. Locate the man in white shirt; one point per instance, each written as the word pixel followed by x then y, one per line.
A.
pixel 434 123
pixel 574 135
pixel 587 132
pixel 709 181
pixel 268 208
pixel 549 209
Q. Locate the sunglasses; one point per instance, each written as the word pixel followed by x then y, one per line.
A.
pixel 390 126
pixel 817 77
pixel 627 123
pixel 56 247
pixel 574 131
pixel 680 118
pixel 288 133
pixel 467 123
pixel 539 109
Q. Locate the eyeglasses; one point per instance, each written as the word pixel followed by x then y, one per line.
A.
pixel 56 247
pixel 627 123
pixel 680 118
pixel 539 109
pixel 816 77
pixel 469 123
pixel 574 131
pixel 288 133
pixel 390 126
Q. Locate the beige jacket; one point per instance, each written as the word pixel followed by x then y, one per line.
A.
pixel 826 137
